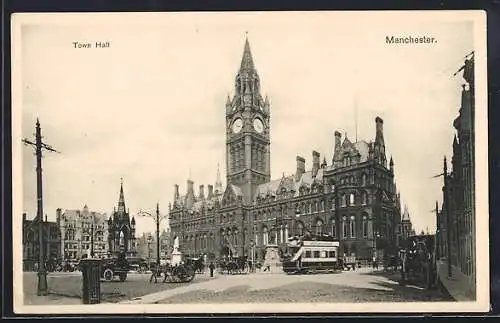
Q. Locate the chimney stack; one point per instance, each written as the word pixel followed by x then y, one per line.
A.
pixel 58 214
pixel 190 187
pixel 210 191
pixel 379 135
pixel 315 163
pixel 336 149
pixel 202 192
pixel 176 192
pixel 301 167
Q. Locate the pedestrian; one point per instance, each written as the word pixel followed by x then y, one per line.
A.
pixel 212 267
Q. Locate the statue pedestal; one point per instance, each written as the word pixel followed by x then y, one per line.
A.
pixel 176 257
pixel 272 259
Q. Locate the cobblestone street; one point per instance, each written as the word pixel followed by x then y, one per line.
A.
pixel 358 286
pixel 66 288
pixel 353 287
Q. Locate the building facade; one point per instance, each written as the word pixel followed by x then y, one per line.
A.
pixel 353 197
pixel 456 219
pixel 31 244
pixel 121 229
pixel 146 246
pixel 80 229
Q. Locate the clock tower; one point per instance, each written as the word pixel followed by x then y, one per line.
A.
pixel 247 131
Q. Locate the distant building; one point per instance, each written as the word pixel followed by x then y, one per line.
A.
pixel 354 197
pixel 146 245
pixel 456 221
pixel 77 227
pixel 406 228
pixel 31 244
pixel 121 229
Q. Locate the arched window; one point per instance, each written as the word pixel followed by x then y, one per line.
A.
pixel 310 207
pixel 334 229
pixel 352 227
pixel 364 198
pixel 344 227
pixel 343 201
pixel 365 226
pixel 363 179
pixel 322 206
pixel 265 236
pixel 352 199
pixel 332 206
pixel 319 227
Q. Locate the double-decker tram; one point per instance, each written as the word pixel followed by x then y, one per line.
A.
pixel 311 254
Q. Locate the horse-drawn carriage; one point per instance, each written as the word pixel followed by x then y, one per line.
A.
pixel 178 273
pixel 418 261
pixel 233 265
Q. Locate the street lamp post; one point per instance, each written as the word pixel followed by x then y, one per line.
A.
pixel 157 218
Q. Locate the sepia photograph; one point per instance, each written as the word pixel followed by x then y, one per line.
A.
pixel 250 162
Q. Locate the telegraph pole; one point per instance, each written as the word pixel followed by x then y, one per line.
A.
pixel 158 235
pixel 42 289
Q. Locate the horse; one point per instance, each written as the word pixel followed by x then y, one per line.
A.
pixel 197 264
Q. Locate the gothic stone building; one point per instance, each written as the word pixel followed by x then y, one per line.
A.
pixel 121 229
pixel 31 243
pixel 456 220
pixel 353 198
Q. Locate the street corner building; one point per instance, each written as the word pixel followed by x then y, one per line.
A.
pixel 456 221
pixel 81 232
pixel 352 197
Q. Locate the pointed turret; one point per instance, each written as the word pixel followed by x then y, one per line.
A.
pixel 218 182
pixel 228 104
pixel 391 165
pixel 324 164
pixel 121 199
pixel 406 215
pixel 266 105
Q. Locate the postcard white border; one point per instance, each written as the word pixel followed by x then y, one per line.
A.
pixel 482 303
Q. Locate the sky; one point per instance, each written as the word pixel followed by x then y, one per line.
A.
pixel 151 108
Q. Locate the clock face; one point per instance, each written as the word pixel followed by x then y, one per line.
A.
pixel 247 98
pixel 258 125
pixel 237 125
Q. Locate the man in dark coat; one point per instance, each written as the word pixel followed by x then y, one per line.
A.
pixel 212 267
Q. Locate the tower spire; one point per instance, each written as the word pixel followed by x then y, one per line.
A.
pixel 247 59
pixel 121 199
